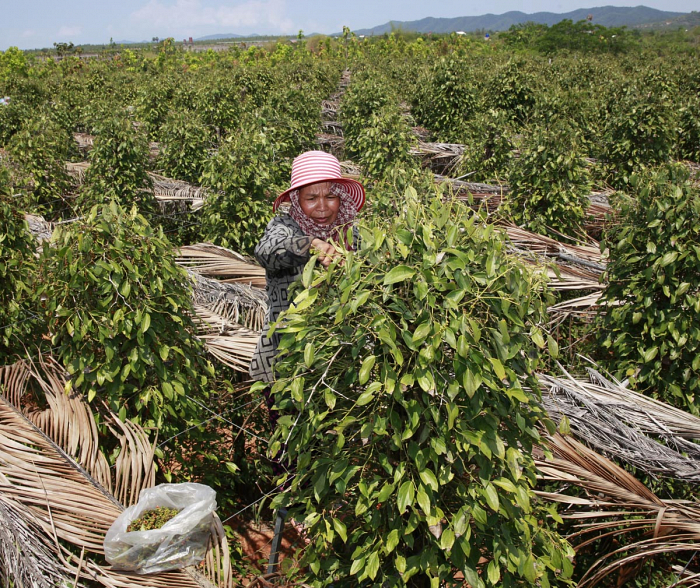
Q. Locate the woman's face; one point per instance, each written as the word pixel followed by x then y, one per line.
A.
pixel 318 203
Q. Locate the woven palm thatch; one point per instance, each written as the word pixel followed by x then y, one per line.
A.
pixel 218 262
pixel 652 436
pixel 615 504
pixel 54 512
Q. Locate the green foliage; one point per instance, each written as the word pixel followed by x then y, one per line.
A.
pixel 245 174
pixel 17 268
pixel 384 144
pixel 447 100
pixel 639 132
pixel 117 169
pixel 119 311
pixel 152 106
pixel 184 147
pixel 41 149
pixel 365 96
pixel 652 301
pixel 549 182
pixel 12 117
pixel 488 148
pixel 13 63
pixel 401 378
pixel 511 90
pixel 585 37
pixel 689 130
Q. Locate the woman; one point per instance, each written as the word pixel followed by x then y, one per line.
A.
pixel 322 206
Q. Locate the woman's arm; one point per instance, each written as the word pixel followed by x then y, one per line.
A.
pixel 282 246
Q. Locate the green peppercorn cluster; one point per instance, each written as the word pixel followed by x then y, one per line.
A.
pixel 152 519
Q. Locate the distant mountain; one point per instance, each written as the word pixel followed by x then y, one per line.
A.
pixel 608 16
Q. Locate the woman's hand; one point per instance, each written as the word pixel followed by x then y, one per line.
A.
pixel 326 250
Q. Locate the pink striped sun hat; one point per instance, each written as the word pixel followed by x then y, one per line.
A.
pixel 318 166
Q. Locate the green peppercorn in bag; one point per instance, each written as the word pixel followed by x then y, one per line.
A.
pixel 181 541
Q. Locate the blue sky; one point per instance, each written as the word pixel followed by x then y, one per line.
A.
pixel 40 23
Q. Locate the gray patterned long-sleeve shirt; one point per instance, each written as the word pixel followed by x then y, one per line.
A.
pixel 283 251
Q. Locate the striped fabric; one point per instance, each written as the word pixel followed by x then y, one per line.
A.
pixel 318 166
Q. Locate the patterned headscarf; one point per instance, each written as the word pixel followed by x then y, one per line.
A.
pixel 338 228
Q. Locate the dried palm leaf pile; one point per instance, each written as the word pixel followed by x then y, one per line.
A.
pixel 614 506
pixel 58 496
pixel 569 267
pixel 229 317
pixel 218 262
pixel 651 435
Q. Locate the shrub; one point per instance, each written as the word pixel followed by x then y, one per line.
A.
pixel 364 97
pixel 651 306
pixel 446 100
pixel 245 174
pixel 689 130
pixel 549 182
pixel 407 422
pixel 384 144
pixel 512 90
pixel 184 147
pixel 17 267
pixel 639 132
pixel 488 148
pixel 41 149
pixel 119 311
pixel 117 169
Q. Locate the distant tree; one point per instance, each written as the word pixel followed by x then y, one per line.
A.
pixel 63 48
pixel 155 39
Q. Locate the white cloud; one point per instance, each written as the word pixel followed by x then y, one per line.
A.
pixel 182 16
pixel 28 33
pixel 66 31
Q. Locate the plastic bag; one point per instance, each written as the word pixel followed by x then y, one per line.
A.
pixel 181 542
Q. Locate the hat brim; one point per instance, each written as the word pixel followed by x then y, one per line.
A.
pixel 355 190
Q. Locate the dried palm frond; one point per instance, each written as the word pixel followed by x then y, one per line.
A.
pixel 70 423
pixel 13 380
pixel 28 556
pixel 584 307
pixel 350 170
pixel 164 189
pixel 210 260
pixel 39 227
pixel 334 144
pixel 170 189
pixel 615 504
pixel 84 140
pixel 58 500
pixel 77 170
pixel 329 110
pixel 422 133
pixel 229 342
pixel 238 303
pixel 333 128
pixel 441 157
pixel 618 423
